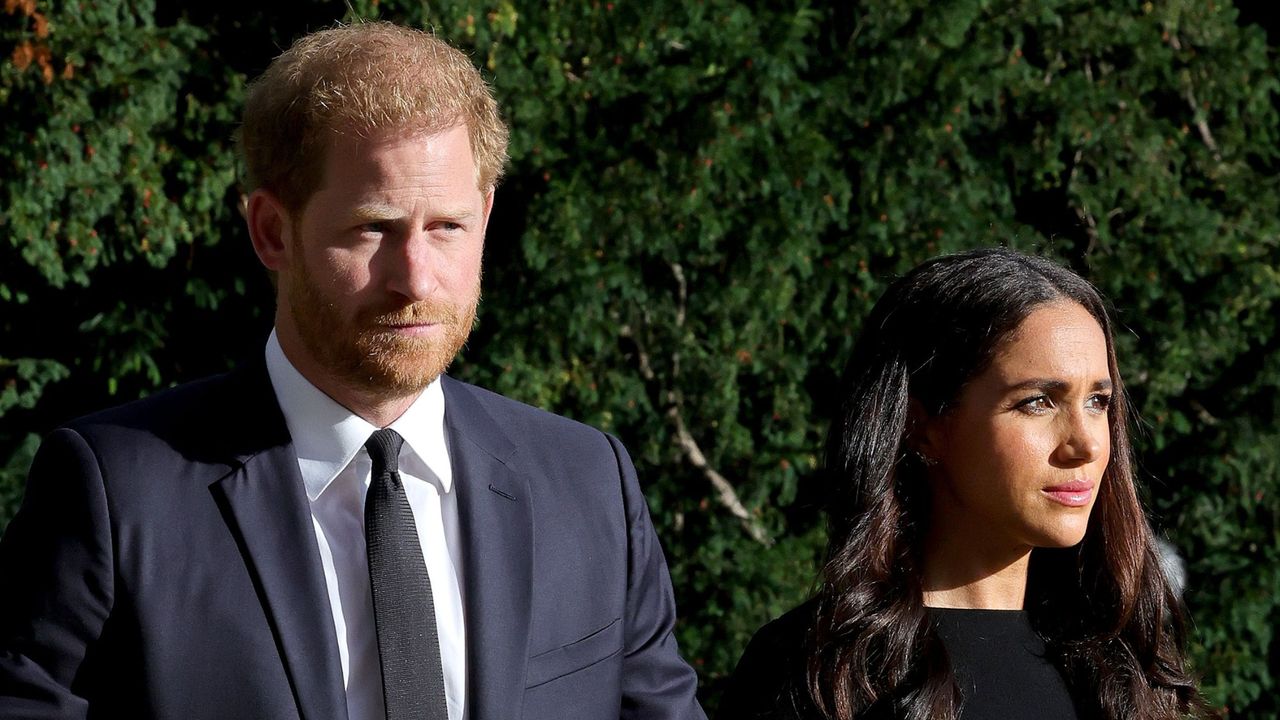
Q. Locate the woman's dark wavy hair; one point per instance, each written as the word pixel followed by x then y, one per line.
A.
pixel 1109 618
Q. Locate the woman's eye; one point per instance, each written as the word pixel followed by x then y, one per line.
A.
pixel 1037 405
pixel 1099 402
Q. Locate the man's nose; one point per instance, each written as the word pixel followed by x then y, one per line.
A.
pixel 411 267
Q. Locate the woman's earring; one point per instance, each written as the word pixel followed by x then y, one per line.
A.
pixel 925 459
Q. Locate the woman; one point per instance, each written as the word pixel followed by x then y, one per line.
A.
pixel 988 556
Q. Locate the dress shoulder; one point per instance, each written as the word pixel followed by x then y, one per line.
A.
pixel 769 682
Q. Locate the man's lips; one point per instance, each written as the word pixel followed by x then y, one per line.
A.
pixel 1076 493
pixel 414 328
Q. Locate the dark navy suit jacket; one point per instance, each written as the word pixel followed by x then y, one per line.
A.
pixel 163 564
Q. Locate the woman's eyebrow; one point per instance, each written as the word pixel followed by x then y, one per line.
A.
pixel 1053 385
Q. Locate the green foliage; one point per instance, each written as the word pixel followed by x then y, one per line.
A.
pixel 27 378
pixel 14 472
pixel 704 201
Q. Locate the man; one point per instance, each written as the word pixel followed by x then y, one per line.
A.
pixel 339 530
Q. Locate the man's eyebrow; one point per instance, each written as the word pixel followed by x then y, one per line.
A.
pixel 377 212
pixel 382 213
pixel 457 214
pixel 1051 385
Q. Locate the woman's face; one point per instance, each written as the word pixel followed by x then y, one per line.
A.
pixel 1018 461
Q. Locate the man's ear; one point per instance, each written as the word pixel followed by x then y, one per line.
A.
pixel 488 208
pixel 270 228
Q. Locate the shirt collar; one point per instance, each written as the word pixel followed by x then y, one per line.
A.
pixel 328 436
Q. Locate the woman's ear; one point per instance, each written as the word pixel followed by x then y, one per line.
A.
pixel 925 432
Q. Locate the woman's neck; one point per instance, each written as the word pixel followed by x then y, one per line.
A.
pixel 964 570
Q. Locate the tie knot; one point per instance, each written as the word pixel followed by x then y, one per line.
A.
pixel 384 450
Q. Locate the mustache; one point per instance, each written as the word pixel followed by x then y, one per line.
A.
pixel 426 311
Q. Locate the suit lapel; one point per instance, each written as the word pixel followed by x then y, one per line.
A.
pixel 497 539
pixel 265 505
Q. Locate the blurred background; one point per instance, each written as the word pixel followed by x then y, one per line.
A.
pixel 704 200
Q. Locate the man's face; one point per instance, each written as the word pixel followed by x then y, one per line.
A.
pixel 382 272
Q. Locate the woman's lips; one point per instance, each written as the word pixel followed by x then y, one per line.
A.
pixel 1076 493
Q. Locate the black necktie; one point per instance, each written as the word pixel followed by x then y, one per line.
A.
pixel 403 613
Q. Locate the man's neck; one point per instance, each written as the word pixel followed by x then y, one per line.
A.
pixel 379 412
pixel 379 409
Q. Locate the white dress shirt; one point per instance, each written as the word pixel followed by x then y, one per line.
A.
pixel 329 440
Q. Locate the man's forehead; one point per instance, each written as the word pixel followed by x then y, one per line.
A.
pixel 343 149
pixel 371 158
pixel 372 136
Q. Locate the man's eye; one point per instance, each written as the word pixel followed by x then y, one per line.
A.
pixel 374 227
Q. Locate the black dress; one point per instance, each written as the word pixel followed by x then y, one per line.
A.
pixel 998 660
pixel 1000 665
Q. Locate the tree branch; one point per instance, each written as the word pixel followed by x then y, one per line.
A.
pixel 1086 217
pixel 725 492
pixel 1201 124
pixel 1090 228
pixel 1189 94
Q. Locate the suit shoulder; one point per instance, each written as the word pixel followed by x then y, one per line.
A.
pixel 207 420
pixel 159 409
pixel 519 418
